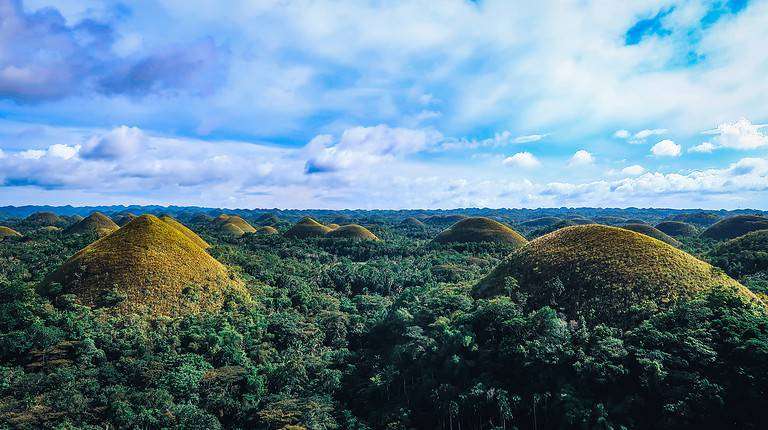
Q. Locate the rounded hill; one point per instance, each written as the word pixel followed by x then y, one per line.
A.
pixel 124 218
pixel 268 219
pixel 241 224
pixel 697 218
pixel 444 219
pixel 677 228
pixel 8 232
pixel 652 232
pixel 96 222
pixel 147 266
pixel 44 218
pixel 266 230
pixel 601 272
pixel 352 231
pixel 545 221
pixel 305 228
pixel 744 255
pixel 191 235
pixel 479 229
pixel 735 226
pixel 412 222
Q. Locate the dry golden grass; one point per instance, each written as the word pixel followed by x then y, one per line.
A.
pixel 600 272
pixel 305 228
pixel 266 230
pixel 191 235
pixel 677 228
pixel 480 229
pixel 96 222
pixel 232 230
pixel 352 231
pixel 8 232
pixel 412 222
pixel 333 226
pixel 652 232
pixel 243 224
pixel 735 226
pixel 153 266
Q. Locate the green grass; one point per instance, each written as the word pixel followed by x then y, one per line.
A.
pixel 744 255
pixel 8 232
pixel 352 231
pixel 697 218
pixel 96 222
pixel 652 232
pixel 677 228
pixel 735 226
pixel 44 218
pixel 479 229
pixel 545 221
pixel 601 272
pixel 306 228
pixel 151 267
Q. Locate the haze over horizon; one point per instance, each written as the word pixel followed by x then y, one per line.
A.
pixel 299 104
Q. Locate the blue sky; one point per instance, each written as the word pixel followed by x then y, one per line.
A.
pixel 384 104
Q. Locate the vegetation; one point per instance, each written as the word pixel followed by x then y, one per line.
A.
pixel 412 222
pixel 603 274
pixel 44 218
pixel 735 226
pixel 652 232
pixel 191 235
pixel 266 230
pixel 480 229
pixel 124 218
pixel 307 228
pixel 321 333
pixel 352 231
pixel 677 228
pixel 745 255
pixel 698 218
pixel 96 223
pixel 8 232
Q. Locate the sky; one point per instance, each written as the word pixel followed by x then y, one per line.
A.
pixel 384 104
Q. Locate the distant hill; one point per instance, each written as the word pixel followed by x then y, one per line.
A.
pixel 698 218
pixel 352 231
pixel 599 272
pixel 479 229
pixel 652 232
pixel 8 232
pixel 735 226
pixel 744 255
pixel 147 266
pixel 44 218
pixel 191 235
pixel 444 220
pixel 96 222
pixel 677 228
pixel 412 222
pixel 307 228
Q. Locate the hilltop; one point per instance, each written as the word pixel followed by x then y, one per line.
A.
pixel 96 222
pixel 600 272
pixel 266 230
pixel 44 218
pixel 234 225
pixel 444 219
pixel 735 226
pixel 352 231
pixel 698 218
pixel 306 228
pixel 479 229
pixel 677 228
pixel 124 218
pixel 191 235
pixel 652 232
pixel 147 266
pixel 412 222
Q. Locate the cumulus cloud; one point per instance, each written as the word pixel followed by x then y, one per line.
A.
pixel 121 142
pixel 362 147
pixel 740 134
pixel 581 158
pixel 525 160
pixel 640 136
pixel 633 170
pixel 666 148
pixel 705 147
pixel 529 138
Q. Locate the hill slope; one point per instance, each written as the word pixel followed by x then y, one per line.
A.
pixel 652 232
pixel 352 231
pixel 677 228
pixel 479 229
pixel 152 267
pixel 735 226
pixel 191 235
pixel 44 218
pixel 96 222
pixel 600 272
pixel 8 232
pixel 744 255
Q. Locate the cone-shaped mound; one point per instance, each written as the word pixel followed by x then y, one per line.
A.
pixel 232 230
pixel 96 222
pixel 43 218
pixel 191 235
pixel 745 255
pixel 76 218
pixel 8 232
pixel 147 266
pixel 698 218
pixel 652 232
pixel 735 226
pixel 307 227
pixel 241 224
pixel 600 272
pixel 480 229
pixel 221 219
pixel 541 222
pixel 201 217
pixel 333 226
pixel 444 219
pixel 124 218
pixel 268 219
pixel 352 231
pixel 412 222
pixel 266 230
pixel 611 220
pixel 677 228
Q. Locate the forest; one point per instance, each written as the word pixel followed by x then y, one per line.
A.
pixel 474 319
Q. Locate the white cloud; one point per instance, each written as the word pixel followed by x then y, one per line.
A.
pixel 581 158
pixel 621 134
pixel 529 138
pixel 705 147
pixel 740 134
pixel 63 151
pixel 120 142
pixel 643 134
pixel 666 148
pixel 525 160
pixel 633 170
pixel 32 154
pixel 640 136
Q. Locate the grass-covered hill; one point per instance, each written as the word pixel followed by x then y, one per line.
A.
pixel 8 232
pixel 266 230
pixel 147 266
pixel 307 228
pixel 443 220
pixel 191 235
pixel 744 255
pixel 653 232
pixel 352 231
pixel 268 219
pixel 703 219
pixel 233 225
pixel 735 226
pixel 541 222
pixel 124 218
pixel 96 223
pixel 44 218
pixel 677 228
pixel 412 222
pixel 601 272
pixel 553 227
pixel 479 229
